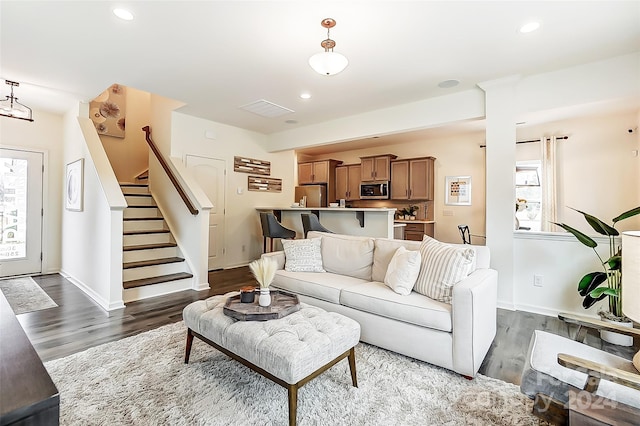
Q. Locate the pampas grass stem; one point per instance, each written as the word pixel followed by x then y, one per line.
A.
pixel 263 269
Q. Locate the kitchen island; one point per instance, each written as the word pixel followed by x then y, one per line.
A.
pixel 369 222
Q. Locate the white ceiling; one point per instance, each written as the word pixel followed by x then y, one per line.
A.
pixel 219 55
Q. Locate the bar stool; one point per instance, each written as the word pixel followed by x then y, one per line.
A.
pixel 271 229
pixel 310 222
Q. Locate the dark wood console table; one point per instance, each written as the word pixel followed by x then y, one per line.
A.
pixel 27 393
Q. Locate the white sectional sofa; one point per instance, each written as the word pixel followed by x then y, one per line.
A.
pixel 455 336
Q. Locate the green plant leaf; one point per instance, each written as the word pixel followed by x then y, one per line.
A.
pixel 627 214
pixel 603 290
pixel 614 263
pixel 583 238
pixel 589 301
pixel 590 282
pixel 599 226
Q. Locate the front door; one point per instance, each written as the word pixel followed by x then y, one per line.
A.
pixel 20 212
pixel 209 173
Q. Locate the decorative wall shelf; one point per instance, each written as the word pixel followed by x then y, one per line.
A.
pixel 251 165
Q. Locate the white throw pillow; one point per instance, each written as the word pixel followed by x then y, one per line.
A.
pixel 442 266
pixel 403 271
pixel 303 255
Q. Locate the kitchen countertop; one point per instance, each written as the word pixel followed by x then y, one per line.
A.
pixel 332 209
pixel 414 221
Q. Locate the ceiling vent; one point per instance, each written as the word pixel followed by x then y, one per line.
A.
pixel 266 109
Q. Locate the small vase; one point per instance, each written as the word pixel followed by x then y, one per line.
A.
pixel 265 298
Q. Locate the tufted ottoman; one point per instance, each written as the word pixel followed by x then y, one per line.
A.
pixel 290 351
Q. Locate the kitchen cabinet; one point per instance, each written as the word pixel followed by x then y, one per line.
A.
pixel 416 229
pixel 348 182
pixel 317 171
pixel 320 172
pixel 412 179
pixel 376 168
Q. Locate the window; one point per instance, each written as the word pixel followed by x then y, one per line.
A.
pixel 528 194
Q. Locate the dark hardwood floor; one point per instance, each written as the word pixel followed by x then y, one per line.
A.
pixel 78 323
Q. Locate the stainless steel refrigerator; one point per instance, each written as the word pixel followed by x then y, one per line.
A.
pixel 316 195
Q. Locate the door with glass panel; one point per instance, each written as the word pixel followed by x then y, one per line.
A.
pixel 20 212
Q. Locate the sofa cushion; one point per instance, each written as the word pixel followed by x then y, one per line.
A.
pixel 442 267
pixel 325 286
pixel 384 251
pixel 378 299
pixel 303 255
pixel 403 271
pixel 346 254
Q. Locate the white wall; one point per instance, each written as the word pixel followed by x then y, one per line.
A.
pixel 241 218
pixel 597 170
pixel 87 235
pixel 44 134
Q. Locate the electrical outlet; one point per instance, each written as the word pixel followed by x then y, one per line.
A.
pixel 537 280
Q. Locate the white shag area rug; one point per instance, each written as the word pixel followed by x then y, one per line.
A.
pixel 142 380
pixel 24 295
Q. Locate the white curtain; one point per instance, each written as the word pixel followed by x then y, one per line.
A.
pixel 549 197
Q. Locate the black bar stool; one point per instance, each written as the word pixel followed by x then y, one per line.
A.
pixel 310 222
pixel 271 229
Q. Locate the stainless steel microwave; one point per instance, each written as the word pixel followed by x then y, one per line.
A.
pixel 374 190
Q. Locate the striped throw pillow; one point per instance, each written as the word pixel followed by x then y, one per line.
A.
pixel 442 266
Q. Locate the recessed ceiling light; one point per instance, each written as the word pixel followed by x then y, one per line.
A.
pixel 123 14
pixel 305 95
pixel 529 27
pixel 448 84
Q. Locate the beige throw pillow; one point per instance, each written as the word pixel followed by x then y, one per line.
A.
pixel 303 255
pixel 403 271
pixel 442 266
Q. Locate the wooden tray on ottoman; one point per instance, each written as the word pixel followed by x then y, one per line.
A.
pixel 282 304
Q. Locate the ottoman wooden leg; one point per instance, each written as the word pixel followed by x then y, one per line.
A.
pixel 187 350
pixel 352 366
pixel 293 403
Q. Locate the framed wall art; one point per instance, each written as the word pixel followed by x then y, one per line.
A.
pixel 108 111
pixel 74 186
pixel 457 191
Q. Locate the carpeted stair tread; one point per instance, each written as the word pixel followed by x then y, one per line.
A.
pixel 153 262
pixel 156 280
pixel 148 246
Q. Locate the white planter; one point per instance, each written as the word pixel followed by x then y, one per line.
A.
pixel 265 297
pixel 617 338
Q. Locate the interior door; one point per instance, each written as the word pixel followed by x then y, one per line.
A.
pixel 20 212
pixel 210 173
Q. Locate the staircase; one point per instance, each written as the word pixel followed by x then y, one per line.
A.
pixel 152 264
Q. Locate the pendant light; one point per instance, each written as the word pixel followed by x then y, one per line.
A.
pixel 10 107
pixel 328 62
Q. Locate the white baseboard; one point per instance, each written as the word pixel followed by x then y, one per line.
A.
pixel 102 302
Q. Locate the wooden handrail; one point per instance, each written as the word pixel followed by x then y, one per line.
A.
pixel 169 172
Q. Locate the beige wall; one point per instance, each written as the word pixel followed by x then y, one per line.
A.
pixel 597 170
pixel 129 156
pixel 243 235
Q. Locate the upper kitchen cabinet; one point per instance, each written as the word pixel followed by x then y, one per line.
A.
pixel 348 182
pixel 412 179
pixel 376 168
pixel 317 171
